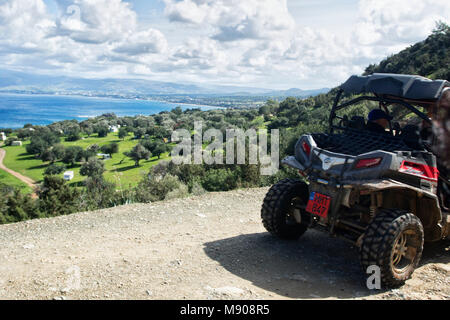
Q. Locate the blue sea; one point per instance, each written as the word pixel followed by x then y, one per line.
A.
pixel 16 110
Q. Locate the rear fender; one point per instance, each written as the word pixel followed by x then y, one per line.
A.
pixel 293 163
pixel 423 204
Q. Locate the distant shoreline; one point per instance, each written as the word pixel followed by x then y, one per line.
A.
pixel 109 98
pixel 18 109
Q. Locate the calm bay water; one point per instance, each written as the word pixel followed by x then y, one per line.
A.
pixel 19 109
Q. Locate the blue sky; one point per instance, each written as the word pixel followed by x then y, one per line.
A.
pixel 275 44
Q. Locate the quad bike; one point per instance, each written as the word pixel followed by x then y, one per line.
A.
pixel 382 191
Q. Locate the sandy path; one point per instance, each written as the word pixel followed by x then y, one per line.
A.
pixel 28 181
pixel 206 247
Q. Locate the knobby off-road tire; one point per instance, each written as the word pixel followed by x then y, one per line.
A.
pixel 276 212
pixel 393 242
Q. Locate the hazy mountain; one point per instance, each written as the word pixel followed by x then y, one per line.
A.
pixel 14 81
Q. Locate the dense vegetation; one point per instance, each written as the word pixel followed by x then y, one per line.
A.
pixel 429 58
pixel 143 139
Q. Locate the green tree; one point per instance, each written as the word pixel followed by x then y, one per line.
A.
pixel 88 129
pixel 72 154
pixel 55 169
pixel 92 168
pixel 159 149
pixel 56 197
pixel 138 153
pixel 48 155
pixel 73 133
pixel 94 148
pixel 123 133
pixel 139 132
pixel 177 111
pixel 58 151
pixel 110 148
pixel 15 207
pixel 42 139
pixel 88 153
pixel 37 146
pixel 102 130
pixel 99 193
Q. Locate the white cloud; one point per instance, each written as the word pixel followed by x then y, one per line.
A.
pixel 143 42
pixel 247 42
pixel 86 38
pixel 23 23
pixel 97 21
pixel 389 22
pixel 234 19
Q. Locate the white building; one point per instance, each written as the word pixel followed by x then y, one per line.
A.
pixel 104 156
pixel 114 129
pixel 16 143
pixel 68 175
pixel 2 136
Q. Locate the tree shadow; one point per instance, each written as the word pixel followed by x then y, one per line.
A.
pixel 26 156
pixel 316 266
pixel 125 168
pixel 42 166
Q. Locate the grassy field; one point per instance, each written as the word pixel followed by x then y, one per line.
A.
pixel 119 169
pixel 10 180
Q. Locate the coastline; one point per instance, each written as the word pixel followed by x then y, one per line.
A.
pixel 41 109
pixel 109 98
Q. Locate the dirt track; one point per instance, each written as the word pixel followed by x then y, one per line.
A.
pixel 207 247
pixel 30 182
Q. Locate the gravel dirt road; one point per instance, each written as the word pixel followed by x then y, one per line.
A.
pixel 205 247
pixel 28 181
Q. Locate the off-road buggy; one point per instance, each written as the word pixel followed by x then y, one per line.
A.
pixel 381 191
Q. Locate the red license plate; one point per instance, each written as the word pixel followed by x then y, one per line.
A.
pixel 318 204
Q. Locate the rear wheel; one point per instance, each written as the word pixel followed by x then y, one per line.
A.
pixel 283 210
pixel 393 242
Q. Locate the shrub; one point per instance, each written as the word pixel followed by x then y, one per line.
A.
pixel 15 206
pixel 219 180
pixel 155 188
pixel 56 197
pixel 99 193
pixel 197 189
pixel 55 169
pixel 182 191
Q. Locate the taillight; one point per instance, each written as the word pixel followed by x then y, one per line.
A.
pixel 306 147
pixel 367 163
pixel 420 169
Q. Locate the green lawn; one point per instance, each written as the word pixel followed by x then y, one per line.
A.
pixel 119 169
pixel 10 180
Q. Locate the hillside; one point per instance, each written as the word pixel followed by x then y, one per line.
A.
pixel 215 248
pixel 429 58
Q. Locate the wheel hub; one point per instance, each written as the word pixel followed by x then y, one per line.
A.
pixel 403 251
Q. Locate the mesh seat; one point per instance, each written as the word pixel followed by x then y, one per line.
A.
pixel 355 142
pixel 357 122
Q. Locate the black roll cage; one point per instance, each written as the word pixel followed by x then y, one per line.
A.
pixel 383 100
